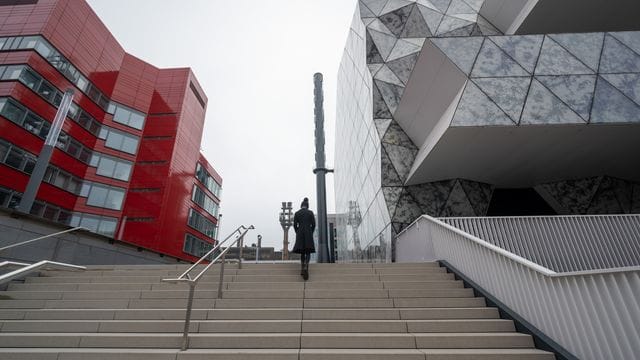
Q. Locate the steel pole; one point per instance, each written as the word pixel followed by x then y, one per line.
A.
pixel 44 157
pixel 320 171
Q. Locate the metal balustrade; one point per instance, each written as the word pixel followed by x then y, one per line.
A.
pixel 593 314
pixel 562 243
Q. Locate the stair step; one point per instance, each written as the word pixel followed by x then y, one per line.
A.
pixel 274 354
pixel 256 326
pixel 267 311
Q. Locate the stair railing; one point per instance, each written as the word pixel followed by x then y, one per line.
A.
pixel 185 277
pixel 41 238
pixel 29 268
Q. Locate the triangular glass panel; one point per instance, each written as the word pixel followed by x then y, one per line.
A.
pixel 432 17
pixel 380 109
pixel 384 42
pixel 475 4
pixel 486 27
pixel 618 58
pixel 628 84
pixel 382 125
pixel 393 5
pixel 428 4
pixel 390 93
pixel 402 158
pixel 408 210
pixel 508 93
pixel 386 75
pixel 468 17
pixel 391 198
pixel 389 175
pixel 629 38
pixel 403 67
pixel 396 136
pixel 624 192
pixel 477 195
pixel 375 6
pixel 397 19
pixel 373 55
pixel 368 21
pixel 585 47
pixel 416 26
pixel 524 49
pixel 476 109
pixel 458 204
pixel 459 7
pixel 441 5
pixel 555 60
pixel 416 41
pixel 462 51
pixel 373 68
pixel 612 106
pixel 574 90
pixel 605 202
pixel 493 62
pixel 431 197
pixel 449 24
pixel 379 26
pixel 365 12
pixel 463 31
pixel 573 195
pixel 543 107
pixel 403 48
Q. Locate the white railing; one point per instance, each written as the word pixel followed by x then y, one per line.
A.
pixel 562 243
pixel 593 314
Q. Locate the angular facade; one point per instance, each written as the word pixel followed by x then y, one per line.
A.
pixel 127 163
pixel 441 113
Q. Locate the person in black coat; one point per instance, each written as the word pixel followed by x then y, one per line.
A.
pixel 304 223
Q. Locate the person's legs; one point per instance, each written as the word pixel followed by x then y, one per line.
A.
pixel 305 256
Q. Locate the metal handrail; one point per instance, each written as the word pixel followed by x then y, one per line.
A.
pixel 192 282
pixel 12 264
pixel 33 267
pixel 41 238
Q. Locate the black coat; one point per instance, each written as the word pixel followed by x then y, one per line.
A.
pixel 304 223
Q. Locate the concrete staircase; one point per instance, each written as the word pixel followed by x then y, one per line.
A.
pixel 344 311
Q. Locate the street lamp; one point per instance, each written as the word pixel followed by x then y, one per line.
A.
pixel 286 220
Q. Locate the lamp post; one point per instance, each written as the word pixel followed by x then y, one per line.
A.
pixel 286 220
pixel 258 249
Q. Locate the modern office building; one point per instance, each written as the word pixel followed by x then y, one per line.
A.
pixel 471 108
pixel 127 163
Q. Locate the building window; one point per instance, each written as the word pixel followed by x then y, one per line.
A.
pixel 196 247
pixel 111 167
pixel 105 196
pixel 119 140
pixel 98 224
pixel 207 180
pixel 127 116
pixel 202 224
pixel 201 198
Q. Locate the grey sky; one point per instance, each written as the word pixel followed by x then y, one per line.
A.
pixel 255 60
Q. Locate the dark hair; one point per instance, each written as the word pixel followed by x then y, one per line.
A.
pixel 305 203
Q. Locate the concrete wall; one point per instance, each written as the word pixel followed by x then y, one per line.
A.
pixel 79 248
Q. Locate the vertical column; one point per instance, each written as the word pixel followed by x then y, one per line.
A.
pixel 320 171
pixel 45 154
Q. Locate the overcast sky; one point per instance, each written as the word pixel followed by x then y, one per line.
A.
pixel 255 59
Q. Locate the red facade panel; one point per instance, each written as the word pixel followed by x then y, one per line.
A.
pixel 158 192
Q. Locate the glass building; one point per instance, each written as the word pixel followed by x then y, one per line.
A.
pixel 470 108
pixel 127 163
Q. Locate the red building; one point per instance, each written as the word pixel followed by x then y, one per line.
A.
pixel 127 163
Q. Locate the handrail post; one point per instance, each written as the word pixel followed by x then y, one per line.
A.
pixel 240 252
pixel 187 320
pixel 221 277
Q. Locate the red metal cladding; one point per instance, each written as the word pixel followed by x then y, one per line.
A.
pixel 158 198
